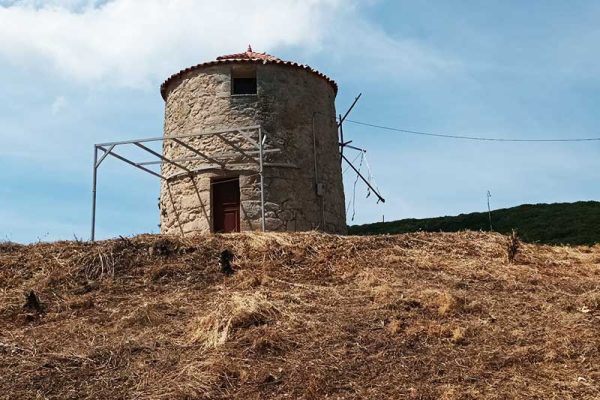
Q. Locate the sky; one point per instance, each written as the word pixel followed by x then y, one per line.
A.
pixel 78 72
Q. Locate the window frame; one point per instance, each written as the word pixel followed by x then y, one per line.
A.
pixel 244 72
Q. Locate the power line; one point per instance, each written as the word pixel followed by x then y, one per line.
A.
pixel 486 139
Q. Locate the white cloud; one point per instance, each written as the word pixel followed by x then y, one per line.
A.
pixel 58 105
pixel 365 47
pixel 136 42
pixel 133 42
pixel 67 4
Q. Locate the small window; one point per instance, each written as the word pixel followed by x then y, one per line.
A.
pixel 243 80
pixel 244 85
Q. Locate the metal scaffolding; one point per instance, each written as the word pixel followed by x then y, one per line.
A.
pixel 254 156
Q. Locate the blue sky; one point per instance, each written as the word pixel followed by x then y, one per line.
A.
pixel 78 72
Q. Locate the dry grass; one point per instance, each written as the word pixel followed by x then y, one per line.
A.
pixel 305 316
pixel 233 314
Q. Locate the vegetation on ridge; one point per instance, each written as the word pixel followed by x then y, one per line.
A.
pixel 559 223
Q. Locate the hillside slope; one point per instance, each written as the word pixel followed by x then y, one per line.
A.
pixel 305 316
pixel 559 223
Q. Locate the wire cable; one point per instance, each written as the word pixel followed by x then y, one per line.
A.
pixel 486 139
pixel 370 178
pixel 353 201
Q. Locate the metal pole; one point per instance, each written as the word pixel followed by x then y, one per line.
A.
pixel 93 234
pixel 341 139
pixel 161 157
pixel 314 137
pixel 489 210
pixel 115 155
pixel 363 179
pixel 262 179
pixel 350 109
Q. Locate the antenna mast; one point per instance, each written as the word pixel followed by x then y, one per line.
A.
pixel 489 209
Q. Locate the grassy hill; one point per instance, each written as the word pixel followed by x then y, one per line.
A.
pixel 305 316
pixel 559 223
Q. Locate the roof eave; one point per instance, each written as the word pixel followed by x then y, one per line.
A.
pixel 165 84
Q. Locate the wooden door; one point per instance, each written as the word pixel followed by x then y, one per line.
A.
pixel 226 205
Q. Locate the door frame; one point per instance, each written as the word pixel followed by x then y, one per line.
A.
pixel 221 180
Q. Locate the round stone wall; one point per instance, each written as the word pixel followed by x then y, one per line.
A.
pixel 303 181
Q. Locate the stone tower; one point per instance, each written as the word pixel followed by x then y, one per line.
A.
pixel 234 101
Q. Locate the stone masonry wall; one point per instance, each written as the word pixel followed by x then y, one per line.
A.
pixel 289 102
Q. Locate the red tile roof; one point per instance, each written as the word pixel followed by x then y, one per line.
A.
pixel 249 56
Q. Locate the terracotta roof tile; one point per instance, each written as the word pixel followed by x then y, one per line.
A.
pixel 249 56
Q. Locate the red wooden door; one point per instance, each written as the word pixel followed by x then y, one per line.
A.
pixel 226 205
